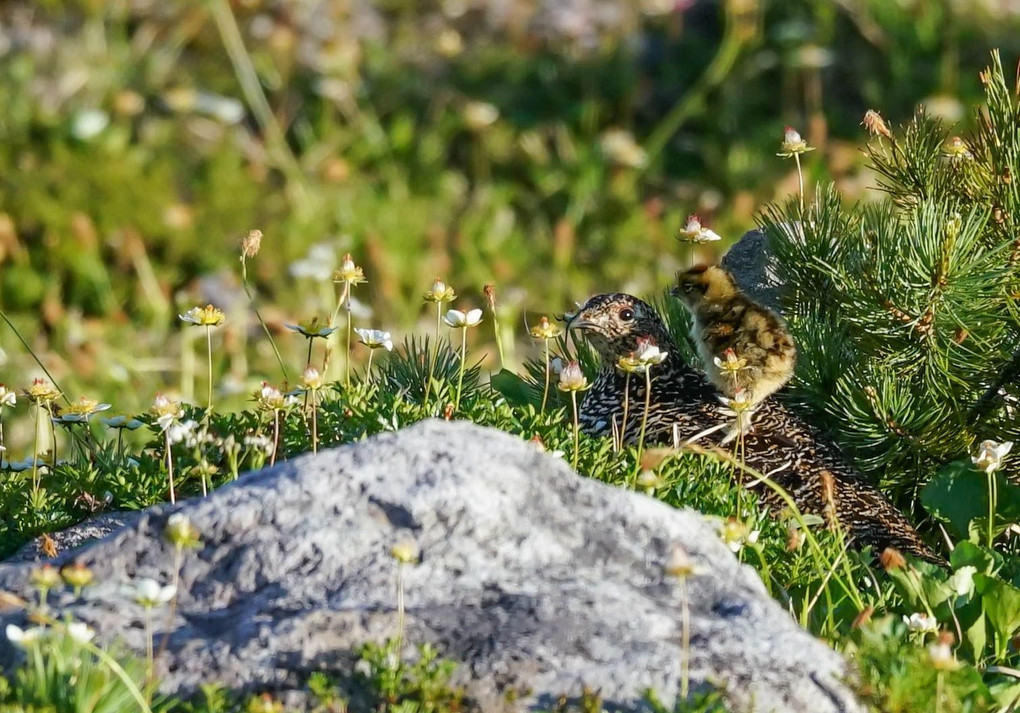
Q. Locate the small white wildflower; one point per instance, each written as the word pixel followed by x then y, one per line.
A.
pixel 694 232
pixel 572 378
pixel 458 319
pixel 80 632
pixel 990 454
pixel 375 339
pixel 920 622
pixel 149 594
pixel 185 431
pixel 259 443
pixel 480 115
pixel 962 580
pixel 25 637
pixel 620 147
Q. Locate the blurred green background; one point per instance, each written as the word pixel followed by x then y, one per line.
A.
pixel 551 147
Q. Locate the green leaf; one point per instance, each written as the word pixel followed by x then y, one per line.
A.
pixel 513 388
pixel 1001 601
pixel 974 625
pixel 968 554
pixel 958 495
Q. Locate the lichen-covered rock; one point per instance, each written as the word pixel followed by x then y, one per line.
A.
pixel 534 579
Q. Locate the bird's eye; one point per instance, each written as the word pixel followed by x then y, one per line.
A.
pixel 626 314
pixel 689 287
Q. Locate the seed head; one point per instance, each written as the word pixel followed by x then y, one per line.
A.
pixel 891 559
pixel 876 125
pixel 250 244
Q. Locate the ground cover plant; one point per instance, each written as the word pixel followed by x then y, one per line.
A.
pixel 922 638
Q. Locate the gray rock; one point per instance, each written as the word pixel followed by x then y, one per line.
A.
pixel 534 579
pixel 73 537
pixel 755 268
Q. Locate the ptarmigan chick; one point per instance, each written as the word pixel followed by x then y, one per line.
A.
pixel 743 345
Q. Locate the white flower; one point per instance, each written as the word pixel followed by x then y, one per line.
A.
pixel 990 454
pixel 149 594
pixel 8 397
pixel 318 265
pixel 376 338
pixel 80 632
pixel 572 378
pixel 458 319
pixel 740 404
pixel 620 147
pixel 680 564
pixel 736 534
pixel 942 657
pixel 89 123
pixel 25 637
pixel 694 232
pixel 962 580
pixel 648 352
pixel 183 431
pixel 259 443
pixel 479 115
pixel 920 622
pixel 793 144
pixel 311 378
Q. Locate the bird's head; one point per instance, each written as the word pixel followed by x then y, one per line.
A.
pixel 701 283
pixel 613 323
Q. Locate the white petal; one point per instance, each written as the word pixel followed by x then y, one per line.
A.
pixel 80 632
pixel 15 634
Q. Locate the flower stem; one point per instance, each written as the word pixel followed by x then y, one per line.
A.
pixel 626 406
pixel 208 353
pixel 315 422
pixel 149 658
pixel 308 361
pixel 170 468
pixel 460 376
pixel 400 609
pixel 644 419
pixel 35 454
pixel 368 371
pixel 276 436
pixel 993 493
pixel 800 182
pixel 685 629
pixel 499 338
pixel 545 391
pixel 265 328
pixel 435 356
pixel 347 354
pixel 577 427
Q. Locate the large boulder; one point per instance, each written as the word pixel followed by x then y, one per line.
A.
pixel 534 579
pixel 755 268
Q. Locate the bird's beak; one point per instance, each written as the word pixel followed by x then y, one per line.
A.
pixel 577 321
